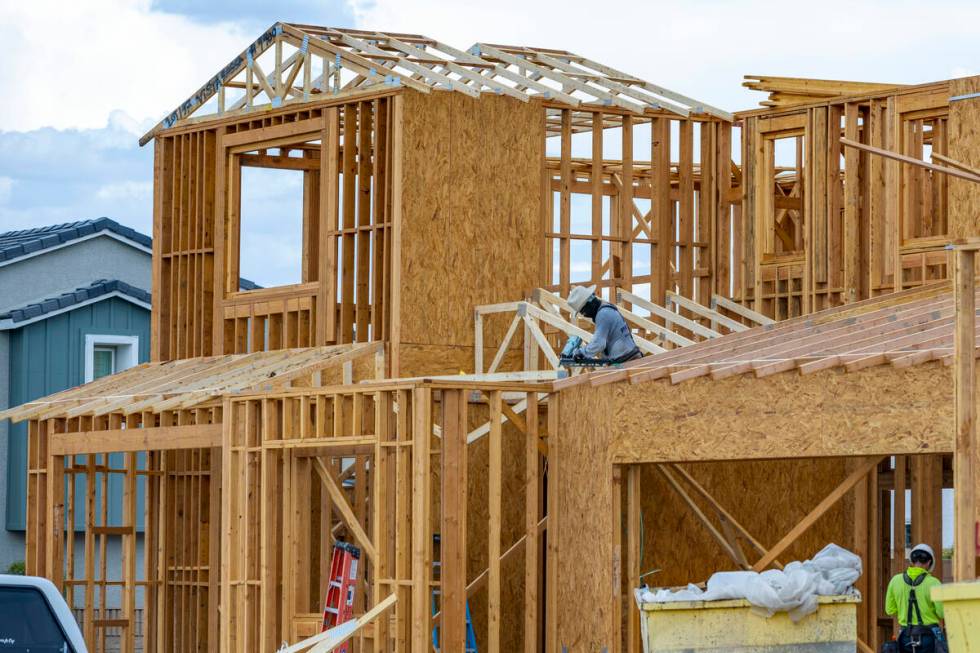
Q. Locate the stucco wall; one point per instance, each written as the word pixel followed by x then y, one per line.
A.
pixel 79 264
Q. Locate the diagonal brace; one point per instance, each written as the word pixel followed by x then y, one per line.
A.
pixel 337 496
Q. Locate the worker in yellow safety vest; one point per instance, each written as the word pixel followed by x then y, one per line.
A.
pixel 909 597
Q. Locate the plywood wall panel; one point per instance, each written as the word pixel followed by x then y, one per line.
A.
pixel 877 410
pixel 470 195
pixel 429 360
pixel 768 498
pixel 964 146
pixel 586 564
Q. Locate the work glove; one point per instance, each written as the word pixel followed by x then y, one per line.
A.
pixel 578 355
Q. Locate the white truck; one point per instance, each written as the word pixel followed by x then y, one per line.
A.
pixel 34 618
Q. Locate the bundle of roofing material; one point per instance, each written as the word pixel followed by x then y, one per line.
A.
pixel 832 572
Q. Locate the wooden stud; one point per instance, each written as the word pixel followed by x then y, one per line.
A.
pixel 965 472
pixel 453 543
pixel 532 507
pixel 495 506
pixel 421 532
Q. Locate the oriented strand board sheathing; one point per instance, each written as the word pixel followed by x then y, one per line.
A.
pixel 964 146
pixel 470 193
pixel 768 498
pixel 879 410
pixel 431 360
pixel 586 565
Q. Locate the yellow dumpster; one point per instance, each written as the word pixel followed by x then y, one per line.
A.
pixel 961 605
pixel 731 626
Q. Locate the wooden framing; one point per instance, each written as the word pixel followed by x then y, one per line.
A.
pixel 157 427
pixel 276 421
pixel 393 425
pixel 672 430
pixel 965 434
pixel 342 151
pixel 648 224
pixel 862 229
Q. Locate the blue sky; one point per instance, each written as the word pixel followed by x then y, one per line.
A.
pixel 84 79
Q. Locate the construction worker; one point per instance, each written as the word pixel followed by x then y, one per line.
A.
pixel 612 341
pixel 909 597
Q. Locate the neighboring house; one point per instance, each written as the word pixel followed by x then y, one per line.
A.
pixel 74 306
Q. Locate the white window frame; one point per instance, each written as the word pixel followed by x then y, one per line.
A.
pixel 127 352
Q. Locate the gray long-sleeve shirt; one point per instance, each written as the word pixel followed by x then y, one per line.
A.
pixel 612 337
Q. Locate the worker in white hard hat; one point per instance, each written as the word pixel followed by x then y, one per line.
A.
pixel 612 340
pixel 909 597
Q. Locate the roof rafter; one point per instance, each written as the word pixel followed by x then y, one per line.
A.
pixel 350 61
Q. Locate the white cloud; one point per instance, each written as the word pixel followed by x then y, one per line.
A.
pixel 128 190
pixel 70 64
pixel 6 188
pixel 49 176
pixel 703 48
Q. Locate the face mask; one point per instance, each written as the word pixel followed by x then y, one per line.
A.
pixel 591 307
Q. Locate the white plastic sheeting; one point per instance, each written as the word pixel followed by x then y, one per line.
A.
pixel 795 589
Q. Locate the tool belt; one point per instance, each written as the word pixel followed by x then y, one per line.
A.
pixel 628 356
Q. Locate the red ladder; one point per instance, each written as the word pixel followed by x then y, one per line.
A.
pixel 339 605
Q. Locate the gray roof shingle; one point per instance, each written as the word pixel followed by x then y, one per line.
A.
pixel 14 244
pixel 77 296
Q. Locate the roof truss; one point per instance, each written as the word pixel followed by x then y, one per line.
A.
pixel 293 63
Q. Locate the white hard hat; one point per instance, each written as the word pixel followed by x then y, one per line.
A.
pixel 926 548
pixel 579 296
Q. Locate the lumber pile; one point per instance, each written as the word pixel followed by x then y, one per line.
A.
pixel 788 91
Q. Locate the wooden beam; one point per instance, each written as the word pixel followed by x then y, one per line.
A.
pixel 634 545
pixel 421 531
pixel 723 514
pixel 965 446
pixel 340 501
pixel 328 640
pixel 738 309
pixel 953 172
pixel 452 542
pixel 532 508
pixel 955 164
pixel 495 509
pixel 816 513
pixel 712 530
pixel 159 438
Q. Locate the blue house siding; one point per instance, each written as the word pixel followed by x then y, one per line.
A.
pixel 49 356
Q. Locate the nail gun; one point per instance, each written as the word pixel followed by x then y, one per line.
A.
pixel 568 358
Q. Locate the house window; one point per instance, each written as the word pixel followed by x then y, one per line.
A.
pixel 103 362
pixel 108 354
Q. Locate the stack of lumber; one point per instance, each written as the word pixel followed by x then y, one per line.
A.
pixel 788 91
